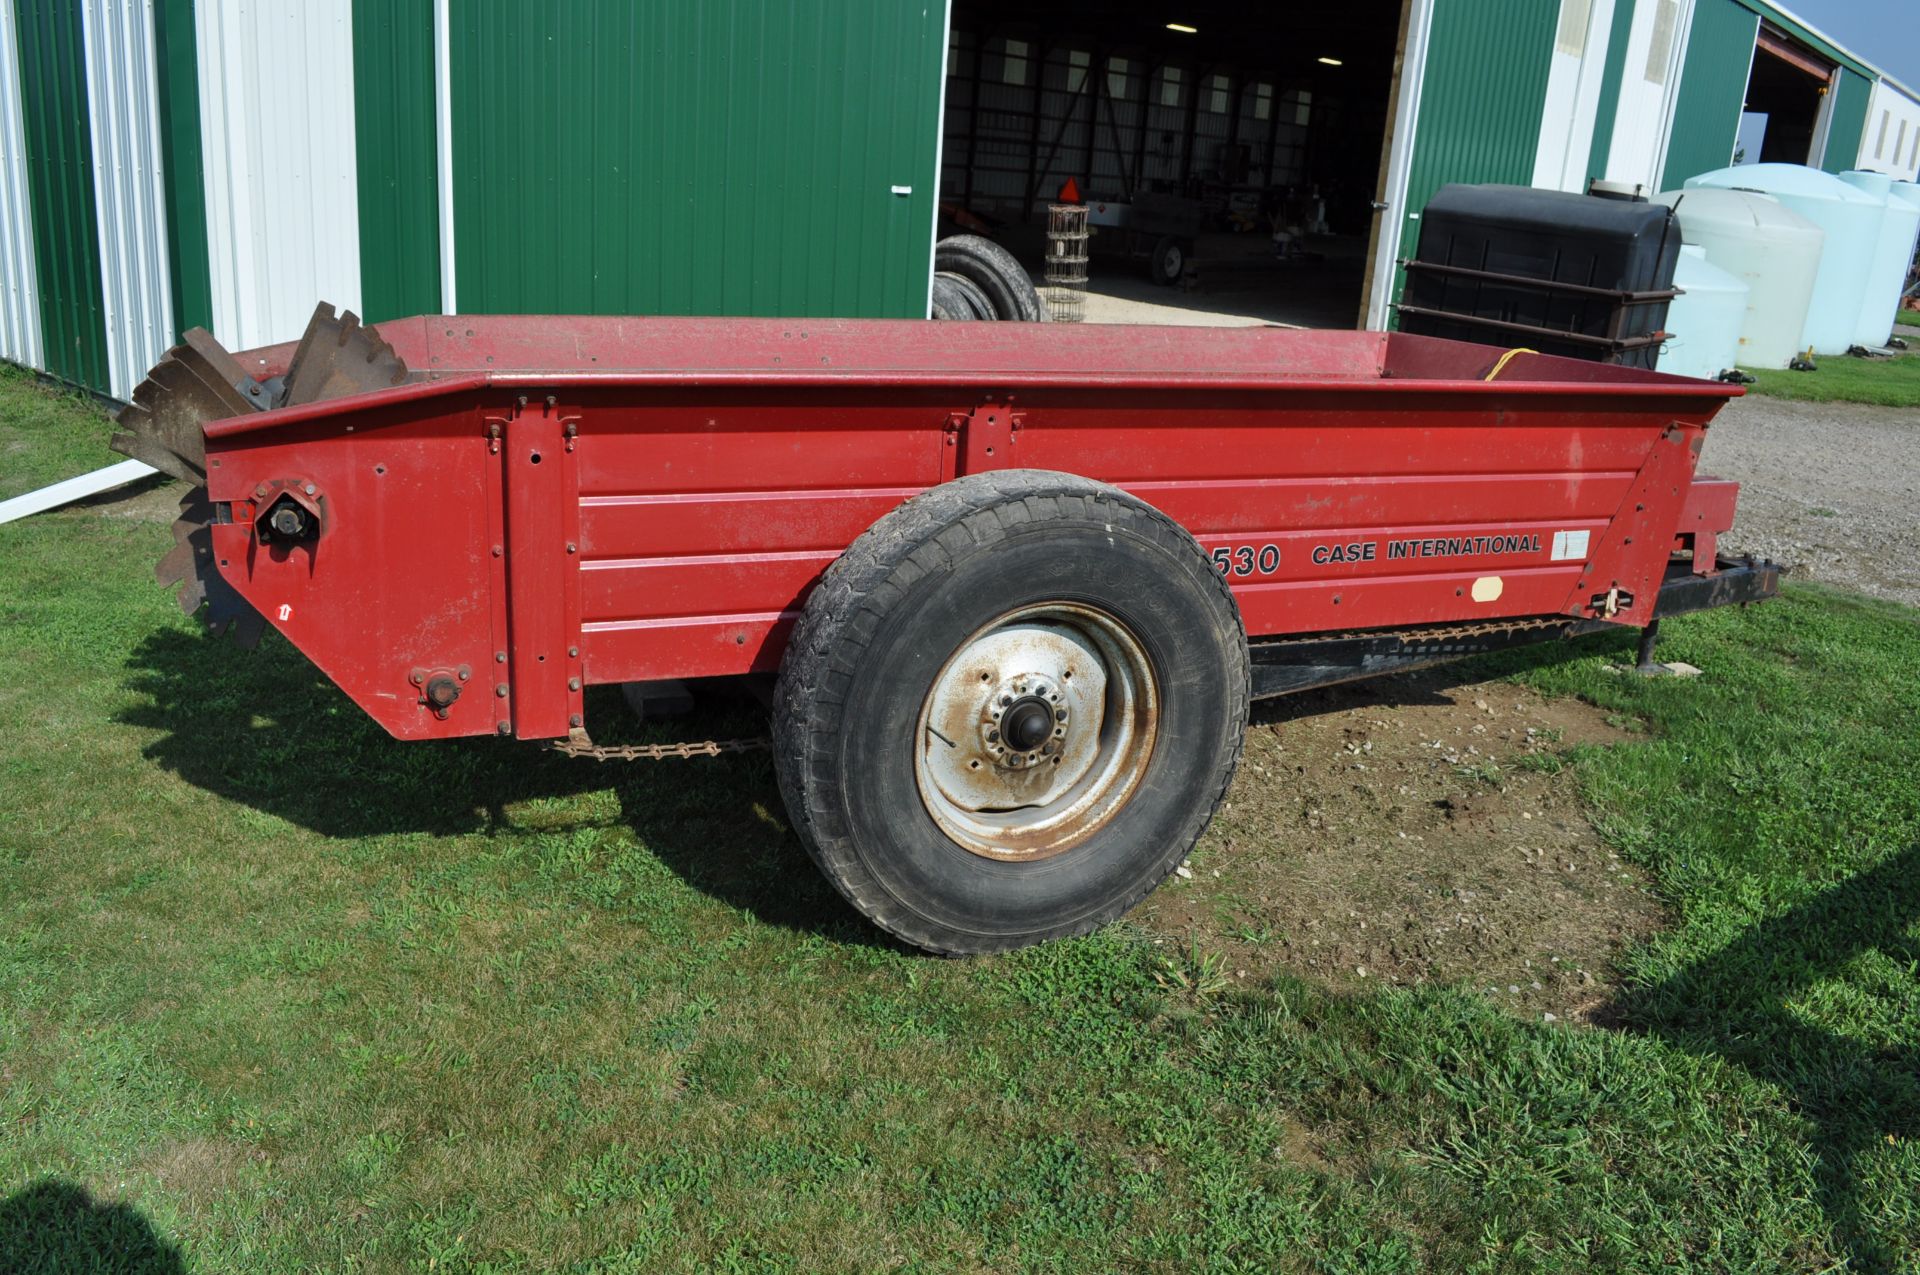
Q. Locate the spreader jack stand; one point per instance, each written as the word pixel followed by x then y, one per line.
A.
pixel 1644 664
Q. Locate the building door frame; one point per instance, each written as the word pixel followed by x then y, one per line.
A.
pixel 1396 164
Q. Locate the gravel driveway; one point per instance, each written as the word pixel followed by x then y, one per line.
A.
pixel 1830 489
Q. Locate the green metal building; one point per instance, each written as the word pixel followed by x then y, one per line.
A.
pixel 168 164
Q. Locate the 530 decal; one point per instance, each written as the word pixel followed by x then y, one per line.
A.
pixel 1246 560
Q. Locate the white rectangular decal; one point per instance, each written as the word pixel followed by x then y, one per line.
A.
pixel 1568 545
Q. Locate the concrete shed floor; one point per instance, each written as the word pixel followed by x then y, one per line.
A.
pixel 1239 283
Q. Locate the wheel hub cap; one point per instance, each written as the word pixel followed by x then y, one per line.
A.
pixel 1035 732
pixel 1028 724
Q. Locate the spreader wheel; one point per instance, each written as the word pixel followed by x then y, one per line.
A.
pixel 1009 709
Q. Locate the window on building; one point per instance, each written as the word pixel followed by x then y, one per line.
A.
pixel 1217 94
pixel 1298 105
pixel 1170 86
pixel 1013 61
pixel 1262 100
pixel 1913 156
pixel 1880 143
pixel 1571 39
pixel 1660 50
pixel 1119 71
pixel 1900 139
pixel 1078 63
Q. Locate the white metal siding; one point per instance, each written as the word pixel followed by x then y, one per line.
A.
pixel 1573 94
pixel 1891 142
pixel 19 302
pixel 443 135
pixel 276 126
pixel 124 122
pixel 1649 89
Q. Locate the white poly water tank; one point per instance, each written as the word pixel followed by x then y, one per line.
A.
pixel 1705 318
pixel 1851 218
pixel 1910 192
pixel 1772 250
pixel 1907 192
pixel 1899 225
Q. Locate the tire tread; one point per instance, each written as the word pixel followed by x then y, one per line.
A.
pixel 838 623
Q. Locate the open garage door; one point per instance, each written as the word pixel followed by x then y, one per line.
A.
pixel 1229 154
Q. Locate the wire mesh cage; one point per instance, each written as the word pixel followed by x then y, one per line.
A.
pixel 1066 273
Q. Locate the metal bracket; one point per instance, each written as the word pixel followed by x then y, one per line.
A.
pixel 1611 603
pixel 496 426
pixel 438 688
pixel 1629 557
pixel 308 496
pixel 987 436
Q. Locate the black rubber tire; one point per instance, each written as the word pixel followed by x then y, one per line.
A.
pixel 950 302
pixel 994 271
pixel 885 619
pixel 981 302
pixel 1169 260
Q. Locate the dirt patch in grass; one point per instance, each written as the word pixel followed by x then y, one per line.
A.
pixel 202 1168
pixel 152 499
pixel 1413 830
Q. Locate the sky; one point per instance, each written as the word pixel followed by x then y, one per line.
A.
pixel 1884 33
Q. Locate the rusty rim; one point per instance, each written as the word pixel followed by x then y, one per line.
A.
pixel 1036 732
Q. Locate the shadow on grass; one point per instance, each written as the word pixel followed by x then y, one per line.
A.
pixel 1735 1004
pixel 57 1228
pixel 265 729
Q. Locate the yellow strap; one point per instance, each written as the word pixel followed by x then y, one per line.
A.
pixel 1506 359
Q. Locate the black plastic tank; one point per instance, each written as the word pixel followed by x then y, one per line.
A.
pixel 1560 273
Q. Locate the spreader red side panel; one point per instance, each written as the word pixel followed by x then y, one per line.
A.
pixel 406 578
pixel 529 534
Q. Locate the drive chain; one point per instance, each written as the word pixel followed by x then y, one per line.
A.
pixel 1438 633
pixel 579 745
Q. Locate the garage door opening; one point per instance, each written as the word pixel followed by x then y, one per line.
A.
pixel 1228 154
pixel 1786 93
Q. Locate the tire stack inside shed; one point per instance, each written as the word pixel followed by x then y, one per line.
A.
pixel 975 278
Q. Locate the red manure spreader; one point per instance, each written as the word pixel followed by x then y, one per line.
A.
pixel 1015 584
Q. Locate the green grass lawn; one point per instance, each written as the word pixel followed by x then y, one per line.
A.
pixel 1891 382
pixel 46 434
pixel 278 994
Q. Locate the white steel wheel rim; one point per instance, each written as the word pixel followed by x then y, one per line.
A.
pixel 995 782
